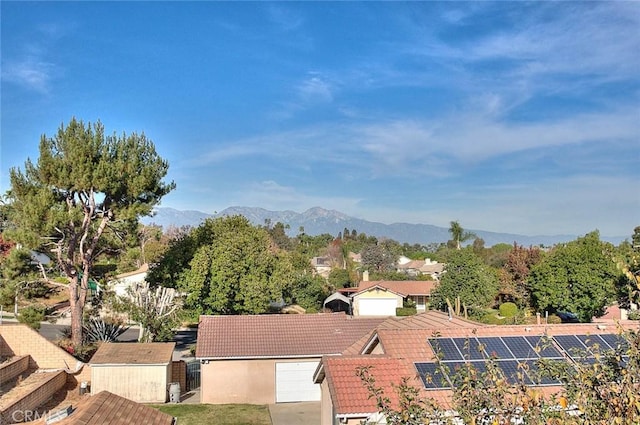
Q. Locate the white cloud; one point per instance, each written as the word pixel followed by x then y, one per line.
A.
pixel 315 89
pixel 31 73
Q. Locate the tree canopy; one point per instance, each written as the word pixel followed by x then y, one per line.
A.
pixel 85 192
pixel 579 277
pixel 466 277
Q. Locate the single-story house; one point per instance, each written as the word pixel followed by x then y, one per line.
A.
pixel 138 371
pixel 122 282
pixel 264 359
pixel 382 297
pixel 106 408
pixel 408 348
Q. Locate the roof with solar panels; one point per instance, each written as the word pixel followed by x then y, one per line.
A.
pixel 429 351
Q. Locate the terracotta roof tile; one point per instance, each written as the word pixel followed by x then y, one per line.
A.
pixel 133 353
pixel 402 287
pixel 348 393
pixel 279 335
pixel 404 342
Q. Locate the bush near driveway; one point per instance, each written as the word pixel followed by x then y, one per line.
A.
pixel 219 414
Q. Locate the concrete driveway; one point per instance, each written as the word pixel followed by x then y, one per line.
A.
pixel 304 413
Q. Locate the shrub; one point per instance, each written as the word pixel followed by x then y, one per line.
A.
pixel 406 311
pixel 553 319
pixel 634 315
pixel 508 309
pixel 32 316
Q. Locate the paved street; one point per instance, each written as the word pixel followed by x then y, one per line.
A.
pixel 54 331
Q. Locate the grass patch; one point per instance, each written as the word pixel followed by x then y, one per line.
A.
pixel 219 414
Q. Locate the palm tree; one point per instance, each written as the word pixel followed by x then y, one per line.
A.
pixel 459 235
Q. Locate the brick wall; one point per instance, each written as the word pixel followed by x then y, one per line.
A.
pixel 5 350
pixel 23 340
pixel 11 410
pixel 13 368
pixel 179 374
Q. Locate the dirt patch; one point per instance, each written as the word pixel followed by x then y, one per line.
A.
pixel 69 395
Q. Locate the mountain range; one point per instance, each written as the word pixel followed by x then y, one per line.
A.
pixel 317 220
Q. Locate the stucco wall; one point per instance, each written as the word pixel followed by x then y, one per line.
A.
pixel 374 293
pixel 241 381
pixel 141 383
pixel 326 406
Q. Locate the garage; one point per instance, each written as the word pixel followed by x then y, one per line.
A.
pixel 294 382
pixel 378 306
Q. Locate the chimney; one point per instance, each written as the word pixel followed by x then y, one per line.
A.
pixel 365 276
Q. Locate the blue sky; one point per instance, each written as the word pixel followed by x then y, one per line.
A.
pixel 509 116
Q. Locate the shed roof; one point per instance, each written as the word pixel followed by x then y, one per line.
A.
pixel 121 353
pixel 106 408
pixel 279 335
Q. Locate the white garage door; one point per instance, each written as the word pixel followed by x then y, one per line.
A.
pixel 294 382
pixel 378 307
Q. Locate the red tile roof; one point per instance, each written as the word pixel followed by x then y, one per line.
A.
pixel 106 408
pixel 111 353
pixel 404 342
pixel 401 287
pixel 279 335
pixel 348 393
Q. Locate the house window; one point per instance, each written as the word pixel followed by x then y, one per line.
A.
pixel 420 302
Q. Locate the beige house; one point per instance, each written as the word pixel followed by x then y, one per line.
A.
pixel 266 359
pixel 137 371
pixel 382 297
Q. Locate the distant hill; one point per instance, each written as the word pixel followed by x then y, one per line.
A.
pixel 318 220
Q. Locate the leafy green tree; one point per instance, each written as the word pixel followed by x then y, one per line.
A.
pixel 233 274
pixel 85 190
pixel 627 256
pixel 19 278
pixel 578 276
pixel 468 278
pixel 339 278
pixel 459 235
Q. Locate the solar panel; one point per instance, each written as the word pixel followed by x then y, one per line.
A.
pixel 519 347
pixel 511 371
pixel 495 348
pixel 572 346
pixel 615 341
pixel 536 375
pixel 432 376
pixel 445 349
pixel 543 347
pixel 470 348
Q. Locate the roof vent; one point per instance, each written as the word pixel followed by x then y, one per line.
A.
pixel 59 415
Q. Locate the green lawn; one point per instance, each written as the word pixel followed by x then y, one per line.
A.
pixel 219 414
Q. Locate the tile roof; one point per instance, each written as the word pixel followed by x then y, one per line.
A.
pixel 279 335
pixel 402 287
pixel 348 393
pixel 106 408
pixel 430 320
pixel 404 342
pixel 111 353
